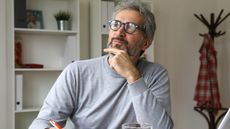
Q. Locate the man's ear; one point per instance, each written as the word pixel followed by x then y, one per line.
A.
pixel 146 44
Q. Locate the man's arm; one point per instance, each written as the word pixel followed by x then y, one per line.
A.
pixel 59 103
pixel 151 100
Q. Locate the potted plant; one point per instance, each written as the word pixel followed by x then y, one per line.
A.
pixel 63 19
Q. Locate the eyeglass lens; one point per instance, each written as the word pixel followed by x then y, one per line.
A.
pixel 129 27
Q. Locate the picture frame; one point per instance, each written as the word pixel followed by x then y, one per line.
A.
pixel 34 19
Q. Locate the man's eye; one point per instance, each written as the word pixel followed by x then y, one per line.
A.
pixel 131 26
pixel 116 24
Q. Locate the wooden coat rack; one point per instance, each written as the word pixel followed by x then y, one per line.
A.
pixel 213 24
pixel 209 113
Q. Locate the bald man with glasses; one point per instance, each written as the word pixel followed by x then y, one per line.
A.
pixel 119 87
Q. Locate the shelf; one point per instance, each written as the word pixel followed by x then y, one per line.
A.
pixel 37 69
pixel 52 48
pixel 33 109
pixel 45 31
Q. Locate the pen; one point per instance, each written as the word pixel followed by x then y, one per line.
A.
pixel 56 125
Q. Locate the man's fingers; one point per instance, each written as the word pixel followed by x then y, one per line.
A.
pixel 111 50
pixel 114 51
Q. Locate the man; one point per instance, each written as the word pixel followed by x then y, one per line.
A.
pixel 120 87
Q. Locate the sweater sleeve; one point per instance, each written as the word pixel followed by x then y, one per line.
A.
pixel 151 100
pixel 59 103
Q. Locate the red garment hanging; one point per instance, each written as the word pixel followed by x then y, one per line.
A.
pixel 207 92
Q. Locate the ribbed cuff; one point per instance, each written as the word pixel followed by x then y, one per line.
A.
pixel 137 87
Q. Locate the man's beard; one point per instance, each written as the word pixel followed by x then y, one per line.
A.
pixel 130 51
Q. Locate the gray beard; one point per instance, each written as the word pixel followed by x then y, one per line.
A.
pixel 119 47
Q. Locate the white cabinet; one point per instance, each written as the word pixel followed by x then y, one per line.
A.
pixel 48 46
pixel 96 27
pixel 100 13
pixel 107 8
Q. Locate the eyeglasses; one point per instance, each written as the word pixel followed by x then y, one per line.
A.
pixel 129 27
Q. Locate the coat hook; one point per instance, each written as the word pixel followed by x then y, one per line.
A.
pixel 213 24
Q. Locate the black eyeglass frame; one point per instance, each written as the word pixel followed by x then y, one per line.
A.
pixel 137 27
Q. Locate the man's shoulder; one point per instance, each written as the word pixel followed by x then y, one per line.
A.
pixel 91 60
pixel 86 63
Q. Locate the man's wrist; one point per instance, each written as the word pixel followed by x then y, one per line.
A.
pixel 133 77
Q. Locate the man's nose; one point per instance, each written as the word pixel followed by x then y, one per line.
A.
pixel 121 31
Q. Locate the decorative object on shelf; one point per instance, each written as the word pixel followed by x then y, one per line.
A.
pixel 18 52
pixel 34 19
pixel 18 56
pixel 63 19
pixel 20 14
pixel 207 93
pixel 33 65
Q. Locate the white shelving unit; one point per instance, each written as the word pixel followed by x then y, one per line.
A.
pixel 48 46
pixel 98 37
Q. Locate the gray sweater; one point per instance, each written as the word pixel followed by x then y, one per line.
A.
pixel 94 96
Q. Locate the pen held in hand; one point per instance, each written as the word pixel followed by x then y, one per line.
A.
pixel 56 125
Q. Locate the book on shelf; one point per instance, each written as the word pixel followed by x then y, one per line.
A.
pixel 19 92
pixel 20 13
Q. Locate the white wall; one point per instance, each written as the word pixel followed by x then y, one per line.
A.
pixel 223 46
pixel 84 28
pixel 3 87
pixel 177 45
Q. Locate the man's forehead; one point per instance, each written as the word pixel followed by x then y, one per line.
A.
pixel 128 15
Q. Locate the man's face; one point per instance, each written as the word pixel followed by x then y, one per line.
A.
pixel 133 43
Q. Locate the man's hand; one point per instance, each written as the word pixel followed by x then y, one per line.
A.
pixel 122 64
